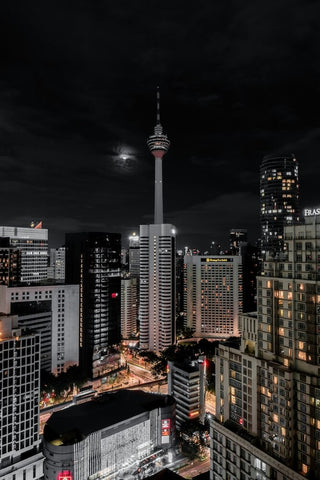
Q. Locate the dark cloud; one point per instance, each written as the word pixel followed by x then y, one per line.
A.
pixel 77 95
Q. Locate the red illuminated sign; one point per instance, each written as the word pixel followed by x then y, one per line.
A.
pixel 65 475
pixel 165 427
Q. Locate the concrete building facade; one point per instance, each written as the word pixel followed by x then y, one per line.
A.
pixel 33 245
pixel 53 312
pixel 157 286
pixel 20 457
pixel 213 295
pixel 270 388
pixel 187 384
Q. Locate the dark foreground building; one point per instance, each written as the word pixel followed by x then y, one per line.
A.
pixel 93 260
pixel 121 433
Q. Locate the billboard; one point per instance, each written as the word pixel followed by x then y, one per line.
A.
pixel 165 430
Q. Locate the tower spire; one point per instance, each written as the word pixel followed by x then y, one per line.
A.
pixel 158 144
pixel 158 105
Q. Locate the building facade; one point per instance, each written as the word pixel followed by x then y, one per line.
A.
pixel 157 286
pixel 117 434
pixel 134 255
pixel 270 389
pixel 129 307
pixel 20 457
pixel 213 295
pixel 57 264
pixel 10 260
pixel 93 259
pixel 187 384
pixel 33 246
pixel 279 199
pixel 53 312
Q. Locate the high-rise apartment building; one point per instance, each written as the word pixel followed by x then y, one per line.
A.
pixel 93 259
pixel 20 456
pixel 129 306
pixel 33 246
pixel 279 199
pixel 268 392
pixel 213 295
pixel 53 312
pixel 157 262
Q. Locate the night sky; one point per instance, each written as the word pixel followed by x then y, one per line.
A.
pixel 238 80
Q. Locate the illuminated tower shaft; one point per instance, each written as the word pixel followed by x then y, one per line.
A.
pixel 158 144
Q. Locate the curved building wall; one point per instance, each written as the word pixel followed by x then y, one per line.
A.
pixel 279 199
pixel 113 449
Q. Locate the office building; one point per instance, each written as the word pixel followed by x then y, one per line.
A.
pixel 213 295
pixel 56 268
pixel 157 261
pixel 53 312
pixel 118 434
pixel 268 392
pixel 33 246
pixel 19 407
pixel 93 259
pixel 279 199
pixel 129 307
pixel 187 384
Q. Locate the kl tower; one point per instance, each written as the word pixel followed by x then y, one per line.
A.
pixel 158 144
pixel 157 261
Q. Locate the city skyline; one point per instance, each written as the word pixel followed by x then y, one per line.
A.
pixel 77 93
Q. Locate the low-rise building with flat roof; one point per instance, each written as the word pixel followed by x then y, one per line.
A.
pixel 113 434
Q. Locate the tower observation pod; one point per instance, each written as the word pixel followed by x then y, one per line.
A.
pixel 158 144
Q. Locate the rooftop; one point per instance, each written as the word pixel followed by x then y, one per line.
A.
pixel 73 424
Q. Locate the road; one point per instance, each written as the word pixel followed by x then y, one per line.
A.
pixel 194 468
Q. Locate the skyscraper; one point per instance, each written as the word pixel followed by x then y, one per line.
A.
pixel 157 261
pixel 33 246
pixel 20 456
pixel 279 199
pixel 93 259
pixel 129 306
pixel 268 393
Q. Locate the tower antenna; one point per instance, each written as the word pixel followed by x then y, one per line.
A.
pixel 158 105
